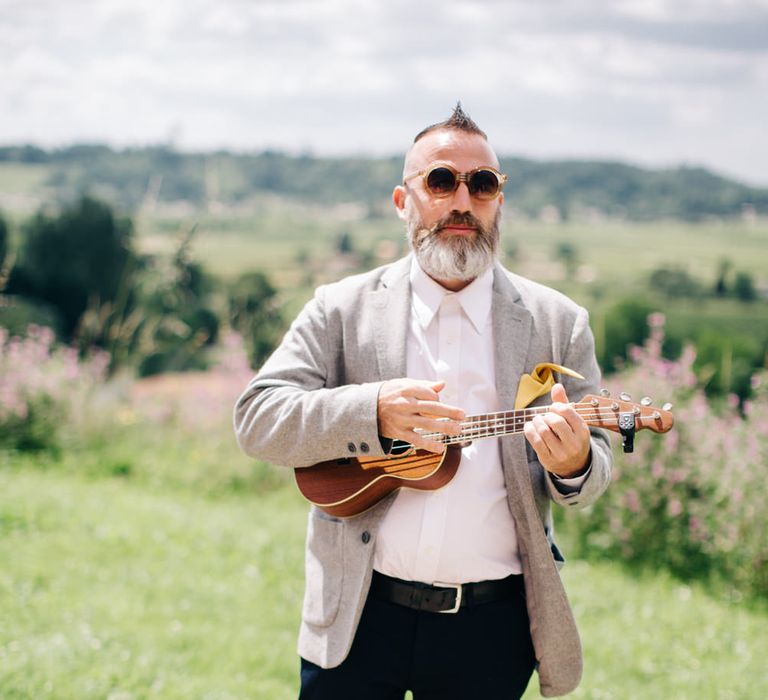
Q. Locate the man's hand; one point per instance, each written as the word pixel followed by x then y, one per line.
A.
pixel 560 437
pixel 405 404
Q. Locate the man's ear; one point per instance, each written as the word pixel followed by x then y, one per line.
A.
pixel 398 199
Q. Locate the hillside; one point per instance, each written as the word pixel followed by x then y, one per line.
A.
pixel 550 189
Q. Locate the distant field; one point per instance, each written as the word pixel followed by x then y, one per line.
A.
pixel 609 252
pixel 22 177
pixel 297 247
pixel 22 186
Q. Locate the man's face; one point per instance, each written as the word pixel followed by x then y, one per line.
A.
pixel 454 237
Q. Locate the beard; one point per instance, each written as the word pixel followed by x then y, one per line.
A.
pixel 454 257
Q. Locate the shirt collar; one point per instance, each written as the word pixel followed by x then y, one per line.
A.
pixel 475 299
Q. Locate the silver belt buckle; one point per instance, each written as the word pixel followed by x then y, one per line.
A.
pixel 458 588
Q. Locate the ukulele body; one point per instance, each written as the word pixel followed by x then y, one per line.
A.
pixel 350 486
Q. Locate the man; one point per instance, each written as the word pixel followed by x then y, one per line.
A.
pixel 402 353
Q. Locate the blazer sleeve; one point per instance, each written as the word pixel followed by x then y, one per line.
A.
pixel 288 414
pixel 580 355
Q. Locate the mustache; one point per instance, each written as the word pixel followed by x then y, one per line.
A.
pixel 457 218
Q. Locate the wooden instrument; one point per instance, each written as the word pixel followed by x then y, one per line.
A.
pixel 348 486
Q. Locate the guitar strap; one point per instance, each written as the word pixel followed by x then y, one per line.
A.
pixel 539 382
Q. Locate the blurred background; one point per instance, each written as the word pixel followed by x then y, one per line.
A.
pixel 177 178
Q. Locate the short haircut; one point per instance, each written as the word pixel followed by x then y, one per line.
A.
pixel 459 120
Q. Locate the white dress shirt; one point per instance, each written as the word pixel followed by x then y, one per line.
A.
pixel 464 531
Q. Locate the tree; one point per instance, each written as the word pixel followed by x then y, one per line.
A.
pixel 567 253
pixel 674 282
pixel 178 322
pixel 3 241
pixel 744 287
pixel 344 243
pixel 626 323
pixel 254 313
pixel 79 257
pixel 721 283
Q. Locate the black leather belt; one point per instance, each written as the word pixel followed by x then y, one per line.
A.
pixel 443 597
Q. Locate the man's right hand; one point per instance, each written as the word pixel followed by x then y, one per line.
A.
pixel 405 404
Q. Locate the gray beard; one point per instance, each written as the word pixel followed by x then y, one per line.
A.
pixel 454 257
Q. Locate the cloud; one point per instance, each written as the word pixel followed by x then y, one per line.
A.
pixel 656 81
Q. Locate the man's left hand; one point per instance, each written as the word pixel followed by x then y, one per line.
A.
pixel 560 437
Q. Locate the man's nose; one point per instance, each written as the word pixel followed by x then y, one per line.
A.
pixel 462 200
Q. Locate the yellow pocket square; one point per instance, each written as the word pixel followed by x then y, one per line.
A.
pixel 539 382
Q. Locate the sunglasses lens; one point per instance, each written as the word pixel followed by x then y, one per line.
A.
pixel 441 181
pixel 484 184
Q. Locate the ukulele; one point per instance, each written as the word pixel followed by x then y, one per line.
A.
pixel 349 486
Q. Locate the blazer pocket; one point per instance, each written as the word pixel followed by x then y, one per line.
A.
pixel 324 570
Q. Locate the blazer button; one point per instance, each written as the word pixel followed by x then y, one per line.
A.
pixel 366 537
pixel 351 447
pixel 364 447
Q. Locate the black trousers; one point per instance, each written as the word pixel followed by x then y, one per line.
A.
pixel 484 651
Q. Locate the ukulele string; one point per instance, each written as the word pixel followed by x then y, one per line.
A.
pixel 524 414
pixel 510 422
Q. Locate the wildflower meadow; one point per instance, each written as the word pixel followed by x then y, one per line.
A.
pixel 145 557
pixel 43 387
pixel 692 501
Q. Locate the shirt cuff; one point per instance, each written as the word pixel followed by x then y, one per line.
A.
pixel 572 485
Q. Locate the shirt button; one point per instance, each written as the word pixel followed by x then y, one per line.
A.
pixel 351 447
pixel 366 537
pixel 364 447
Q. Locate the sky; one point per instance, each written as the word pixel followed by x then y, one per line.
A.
pixel 658 83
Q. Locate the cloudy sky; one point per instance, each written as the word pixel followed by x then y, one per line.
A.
pixel 654 82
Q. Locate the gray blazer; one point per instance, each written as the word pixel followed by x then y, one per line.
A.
pixel 316 399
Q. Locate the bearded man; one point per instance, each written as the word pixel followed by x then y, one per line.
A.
pixel 454 592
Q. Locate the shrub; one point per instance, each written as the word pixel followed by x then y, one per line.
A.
pixel 693 500
pixel 254 312
pixel 83 254
pixel 674 282
pixel 744 287
pixel 625 326
pixel 42 388
pixel 3 241
pixel 170 323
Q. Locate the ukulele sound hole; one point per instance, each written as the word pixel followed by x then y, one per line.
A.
pixel 399 447
pixel 343 461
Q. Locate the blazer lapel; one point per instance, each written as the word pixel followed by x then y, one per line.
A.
pixel 391 304
pixel 512 327
pixel 512 335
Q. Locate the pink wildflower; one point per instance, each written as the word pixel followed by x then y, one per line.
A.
pixel 674 508
pixel 632 501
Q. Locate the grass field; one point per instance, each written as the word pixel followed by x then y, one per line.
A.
pixel 160 587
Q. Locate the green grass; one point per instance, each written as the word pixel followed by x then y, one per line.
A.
pixel 114 591
pixel 125 588
pixel 23 178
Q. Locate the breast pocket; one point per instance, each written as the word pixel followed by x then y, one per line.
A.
pixel 324 569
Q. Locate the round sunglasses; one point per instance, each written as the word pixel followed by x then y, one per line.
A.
pixel 442 180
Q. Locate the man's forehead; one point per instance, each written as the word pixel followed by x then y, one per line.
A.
pixel 450 145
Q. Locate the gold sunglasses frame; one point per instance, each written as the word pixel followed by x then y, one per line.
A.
pixel 460 177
